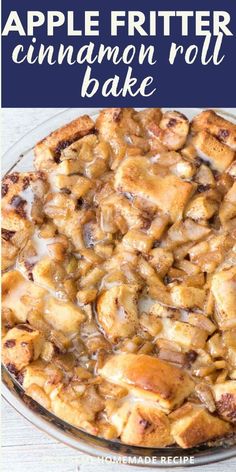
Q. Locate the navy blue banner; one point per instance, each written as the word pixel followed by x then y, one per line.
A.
pixel 94 53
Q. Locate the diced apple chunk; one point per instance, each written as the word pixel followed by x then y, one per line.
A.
pixel 224 291
pixel 20 295
pixel 137 240
pixel 48 273
pixel 188 297
pixel 184 334
pixel 117 311
pixel 63 316
pixel 161 259
pixel 201 208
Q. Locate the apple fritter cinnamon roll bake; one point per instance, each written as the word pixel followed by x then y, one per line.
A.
pixel 119 276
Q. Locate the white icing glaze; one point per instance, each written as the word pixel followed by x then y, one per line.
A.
pixel 28 196
pixel 145 304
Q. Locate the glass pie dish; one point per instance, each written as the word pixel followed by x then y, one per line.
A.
pixel 45 420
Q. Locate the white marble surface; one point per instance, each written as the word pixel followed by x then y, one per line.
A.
pixel 23 446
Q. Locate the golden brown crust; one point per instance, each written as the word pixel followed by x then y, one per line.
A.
pixel 74 413
pixel 47 150
pixel 197 426
pixel 212 150
pixel 21 345
pixel 128 131
pixel 169 193
pixel 171 131
pixel 142 424
pixel 149 378
pixel 118 311
pixel 115 122
pixel 215 124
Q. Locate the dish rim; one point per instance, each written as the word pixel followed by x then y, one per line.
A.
pixel 44 420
